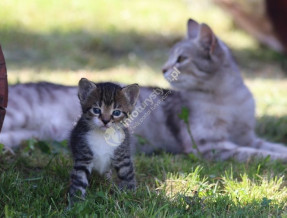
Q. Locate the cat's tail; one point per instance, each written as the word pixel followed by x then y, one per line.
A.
pixel 225 150
pixel 269 146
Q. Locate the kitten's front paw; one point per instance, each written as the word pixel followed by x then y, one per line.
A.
pixel 74 199
pixel 74 196
pixel 124 185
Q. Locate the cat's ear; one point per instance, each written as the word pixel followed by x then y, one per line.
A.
pixel 207 38
pixel 132 93
pixel 192 29
pixel 85 87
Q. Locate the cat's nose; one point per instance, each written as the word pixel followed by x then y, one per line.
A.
pixel 105 121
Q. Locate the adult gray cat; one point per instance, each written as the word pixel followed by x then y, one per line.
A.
pixel 207 82
pixel 221 107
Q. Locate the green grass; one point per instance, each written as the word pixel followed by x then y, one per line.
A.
pixel 35 184
pixel 128 41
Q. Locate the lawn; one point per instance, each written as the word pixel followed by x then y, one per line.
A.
pixel 128 41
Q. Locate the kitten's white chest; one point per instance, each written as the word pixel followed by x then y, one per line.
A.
pixel 102 149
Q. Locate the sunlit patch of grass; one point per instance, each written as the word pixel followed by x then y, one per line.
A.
pixel 266 191
pixel 185 184
pixel 142 16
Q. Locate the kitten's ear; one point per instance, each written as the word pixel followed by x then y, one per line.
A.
pixel 132 93
pixel 207 38
pixel 85 87
pixel 192 29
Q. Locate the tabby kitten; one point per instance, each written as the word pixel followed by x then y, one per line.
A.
pixel 100 140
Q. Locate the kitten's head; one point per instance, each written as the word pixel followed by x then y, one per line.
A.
pixel 106 103
pixel 197 58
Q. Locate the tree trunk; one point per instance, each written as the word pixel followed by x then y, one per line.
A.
pixel 3 88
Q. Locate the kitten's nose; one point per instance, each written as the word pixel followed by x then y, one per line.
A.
pixel 164 70
pixel 105 121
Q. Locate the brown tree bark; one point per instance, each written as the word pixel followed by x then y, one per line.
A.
pixel 3 88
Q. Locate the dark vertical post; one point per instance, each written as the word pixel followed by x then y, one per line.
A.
pixel 3 88
pixel 277 13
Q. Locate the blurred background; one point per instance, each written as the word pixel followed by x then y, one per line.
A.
pixel 128 41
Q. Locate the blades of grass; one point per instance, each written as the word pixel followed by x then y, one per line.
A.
pixel 54 204
pixel 32 179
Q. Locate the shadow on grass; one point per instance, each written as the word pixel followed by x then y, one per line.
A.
pixel 272 128
pixel 92 50
pixel 255 61
pixel 84 50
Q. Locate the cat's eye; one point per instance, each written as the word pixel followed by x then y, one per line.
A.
pixel 117 113
pixel 96 111
pixel 181 59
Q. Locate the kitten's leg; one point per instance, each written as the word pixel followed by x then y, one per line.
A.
pixel 79 177
pixel 223 150
pixel 123 165
pixel 109 175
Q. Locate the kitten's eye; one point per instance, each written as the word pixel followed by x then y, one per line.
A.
pixel 96 110
pixel 117 113
pixel 181 59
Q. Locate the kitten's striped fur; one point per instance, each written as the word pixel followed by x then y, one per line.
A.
pixel 90 146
